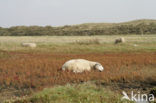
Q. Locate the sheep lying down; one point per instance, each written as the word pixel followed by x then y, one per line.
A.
pixel 80 65
pixel 32 45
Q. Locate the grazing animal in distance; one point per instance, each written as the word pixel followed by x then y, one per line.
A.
pixel 119 40
pixel 32 45
pixel 81 65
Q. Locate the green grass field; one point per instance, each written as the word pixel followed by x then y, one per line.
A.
pixel 73 93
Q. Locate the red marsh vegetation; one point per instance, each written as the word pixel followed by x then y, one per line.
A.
pixel 38 70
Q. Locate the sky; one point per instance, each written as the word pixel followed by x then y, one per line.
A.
pixel 69 12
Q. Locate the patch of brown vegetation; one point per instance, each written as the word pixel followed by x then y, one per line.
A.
pixel 38 70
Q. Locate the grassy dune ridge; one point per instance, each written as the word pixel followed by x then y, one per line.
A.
pixel 139 27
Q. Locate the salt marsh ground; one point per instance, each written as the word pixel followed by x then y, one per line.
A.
pixel 128 66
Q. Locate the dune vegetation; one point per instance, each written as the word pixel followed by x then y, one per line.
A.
pixel 139 27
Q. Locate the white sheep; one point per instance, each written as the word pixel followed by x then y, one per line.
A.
pixel 119 40
pixel 80 65
pixel 32 45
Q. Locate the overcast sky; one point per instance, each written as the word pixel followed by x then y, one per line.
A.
pixel 66 12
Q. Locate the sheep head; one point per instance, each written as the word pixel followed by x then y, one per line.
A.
pixel 99 67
